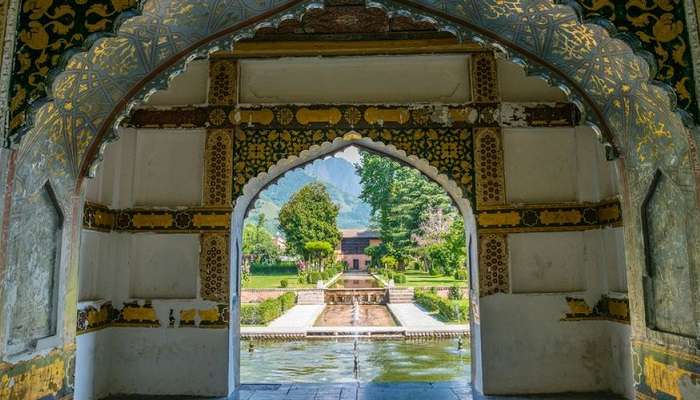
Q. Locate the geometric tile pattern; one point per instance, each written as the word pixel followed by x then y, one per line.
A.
pixel 493 264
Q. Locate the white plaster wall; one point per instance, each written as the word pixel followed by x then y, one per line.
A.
pixel 443 78
pixel 620 364
pixel 190 87
pixel 557 165
pixel 614 253
pixel 112 184
pixel 169 166
pixel 92 359
pixel 540 165
pixel 548 262
pixel 95 261
pixel 164 265
pixel 103 266
pixel 527 349
pixel 517 86
pixel 165 361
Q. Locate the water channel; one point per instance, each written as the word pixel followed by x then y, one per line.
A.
pixel 352 301
pixel 332 361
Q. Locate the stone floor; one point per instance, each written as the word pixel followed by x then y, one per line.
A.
pixel 388 391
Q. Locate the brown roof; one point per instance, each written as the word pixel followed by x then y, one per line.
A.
pixel 359 233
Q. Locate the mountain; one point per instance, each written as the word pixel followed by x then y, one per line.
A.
pixel 336 174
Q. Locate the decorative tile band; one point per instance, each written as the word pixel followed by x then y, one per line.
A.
pixel 550 217
pixel 354 116
pixel 204 219
pixel 212 318
pixel 93 318
pixel 607 308
pixel 665 373
pixel 133 314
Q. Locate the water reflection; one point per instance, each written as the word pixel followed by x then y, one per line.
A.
pixel 326 361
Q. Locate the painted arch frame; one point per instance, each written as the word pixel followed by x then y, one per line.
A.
pixel 603 75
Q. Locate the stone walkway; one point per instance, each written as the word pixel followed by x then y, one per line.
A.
pixel 299 316
pixel 388 391
pixel 410 316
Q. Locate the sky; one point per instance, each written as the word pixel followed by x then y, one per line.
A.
pixel 350 153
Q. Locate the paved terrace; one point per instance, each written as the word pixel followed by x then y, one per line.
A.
pixel 387 391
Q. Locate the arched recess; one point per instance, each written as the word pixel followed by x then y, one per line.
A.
pixel 602 74
pixel 257 184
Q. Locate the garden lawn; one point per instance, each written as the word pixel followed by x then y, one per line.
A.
pixel 423 279
pixel 273 282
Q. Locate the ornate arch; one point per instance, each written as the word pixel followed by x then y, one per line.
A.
pixel 601 74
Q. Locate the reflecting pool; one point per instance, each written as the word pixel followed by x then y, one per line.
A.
pixel 324 361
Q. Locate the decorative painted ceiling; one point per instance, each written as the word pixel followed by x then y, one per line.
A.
pixel 660 27
pixel 48 29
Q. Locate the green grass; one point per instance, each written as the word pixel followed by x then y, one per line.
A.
pixel 423 279
pixel 273 282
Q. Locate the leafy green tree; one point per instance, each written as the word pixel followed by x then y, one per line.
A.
pixel 389 262
pixel 318 251
pixel 258 242
pixel 400 199
pixel 309 216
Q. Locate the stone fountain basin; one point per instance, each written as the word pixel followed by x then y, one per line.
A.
pixel 369 315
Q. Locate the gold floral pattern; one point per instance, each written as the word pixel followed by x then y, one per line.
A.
pixel 447 149
pixel 47 29
pixel 660 26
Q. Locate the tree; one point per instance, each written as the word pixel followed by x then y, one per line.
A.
pixel 389 262
pixel 400 199
pixel 309 216
pixel 318 251
pixel 258 242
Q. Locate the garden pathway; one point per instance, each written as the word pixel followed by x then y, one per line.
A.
pixel 299 316
pixel 411 316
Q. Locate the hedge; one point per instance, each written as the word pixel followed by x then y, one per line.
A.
pixel 268 310
pixel 446 309
pixel 281 268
